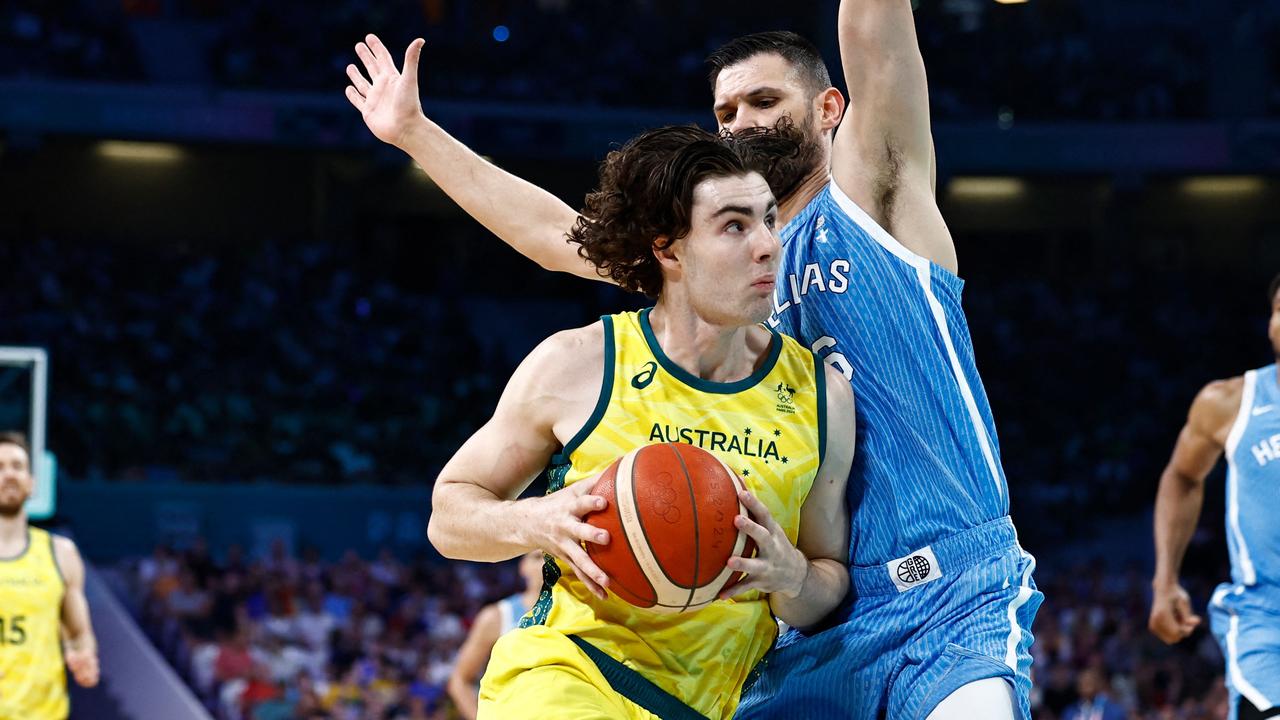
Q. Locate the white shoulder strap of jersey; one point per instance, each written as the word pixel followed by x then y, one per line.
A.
pixel 1242 415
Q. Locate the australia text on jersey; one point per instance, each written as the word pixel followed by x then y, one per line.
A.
pixel 747 444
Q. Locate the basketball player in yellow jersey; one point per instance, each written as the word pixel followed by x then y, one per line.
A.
pixel 679 215
pixel 44 618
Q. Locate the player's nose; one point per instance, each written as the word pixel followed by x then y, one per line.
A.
pixel 766 244
pixel 744 120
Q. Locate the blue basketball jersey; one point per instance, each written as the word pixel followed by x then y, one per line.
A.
pixel 927 463
pixel 1253 482
pixel 511 609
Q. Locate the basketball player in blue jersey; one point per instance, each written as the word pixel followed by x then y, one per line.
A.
pixel 1241 418
pixel 938 625
pixel 492 622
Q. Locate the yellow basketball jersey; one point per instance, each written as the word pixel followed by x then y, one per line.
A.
pixel 33 684
pixel 768 427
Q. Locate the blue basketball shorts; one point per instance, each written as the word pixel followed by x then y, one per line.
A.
pixel 918 628
pixel 1246 622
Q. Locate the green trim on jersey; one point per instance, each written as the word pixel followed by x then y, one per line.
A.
pixel 820 382
pixel 602 403
pixel 697 383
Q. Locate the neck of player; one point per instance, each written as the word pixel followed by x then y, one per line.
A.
pixel 805 192
pixel 13 534
pixel 718 353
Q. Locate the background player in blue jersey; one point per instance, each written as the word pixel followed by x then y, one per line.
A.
pixel 1240 417
pixel 939 624
pixel 492 622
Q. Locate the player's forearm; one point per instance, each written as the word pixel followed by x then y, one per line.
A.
pixel 1178 504
pixel 85 641
pixel 470 523
pixel 521 214
pixel 824 586
pixel 81 639
pixel 465 697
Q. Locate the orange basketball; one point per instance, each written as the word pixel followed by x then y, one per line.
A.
pixel 670 520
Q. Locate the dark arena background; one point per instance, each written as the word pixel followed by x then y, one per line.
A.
pixel 251 334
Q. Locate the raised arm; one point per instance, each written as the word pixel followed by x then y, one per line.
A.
pixel 523 215
pixel 1179 499
pixel 475 514
pixel 79 646
pixel 883 153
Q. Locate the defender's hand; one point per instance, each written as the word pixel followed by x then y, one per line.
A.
pixel 560 531
pixel 388 100
pixel 778 567
pixel 1171 617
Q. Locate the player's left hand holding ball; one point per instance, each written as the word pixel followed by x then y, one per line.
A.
pixel 83 665
pixel 778 567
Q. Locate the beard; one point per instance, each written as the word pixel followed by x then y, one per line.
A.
pixel 785 154
pixel 12 500
pixel 10 509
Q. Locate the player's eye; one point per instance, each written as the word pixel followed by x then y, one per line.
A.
pixel 733 226
pixel 728 118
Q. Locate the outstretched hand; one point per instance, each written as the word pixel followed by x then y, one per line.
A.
pixel 388 98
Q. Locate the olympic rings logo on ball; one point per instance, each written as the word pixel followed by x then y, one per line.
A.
pixel 665 500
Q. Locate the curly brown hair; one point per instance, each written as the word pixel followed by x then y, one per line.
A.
pixel 644 201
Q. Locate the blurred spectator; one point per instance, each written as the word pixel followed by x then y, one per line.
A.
pixel 296 659
pixel 988 62
pixel 1094 704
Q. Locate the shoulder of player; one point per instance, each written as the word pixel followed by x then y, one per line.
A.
pixel 489 618
pixel 563 360
pixel 1217 404
pixel 566 352
pixel 63 546
pixel 66 554
pixel 838 388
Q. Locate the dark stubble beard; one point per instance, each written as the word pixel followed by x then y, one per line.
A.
pixel 10 510
pixel 785 154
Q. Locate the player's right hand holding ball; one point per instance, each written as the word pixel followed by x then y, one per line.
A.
pixel 556 527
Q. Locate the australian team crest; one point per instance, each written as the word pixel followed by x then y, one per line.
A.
pixel 786 395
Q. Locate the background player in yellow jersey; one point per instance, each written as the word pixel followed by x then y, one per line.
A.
pixel 679 215
pixel 44 617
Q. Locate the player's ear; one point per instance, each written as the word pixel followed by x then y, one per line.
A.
pixel 831 107
pixel 664 250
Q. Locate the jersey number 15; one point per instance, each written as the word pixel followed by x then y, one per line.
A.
pixel 11 630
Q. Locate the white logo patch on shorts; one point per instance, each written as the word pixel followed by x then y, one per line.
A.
pixel 914 570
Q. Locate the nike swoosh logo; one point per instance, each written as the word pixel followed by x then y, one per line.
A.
pixel 1262 410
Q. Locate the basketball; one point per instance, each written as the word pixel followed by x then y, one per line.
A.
pixel 670 520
